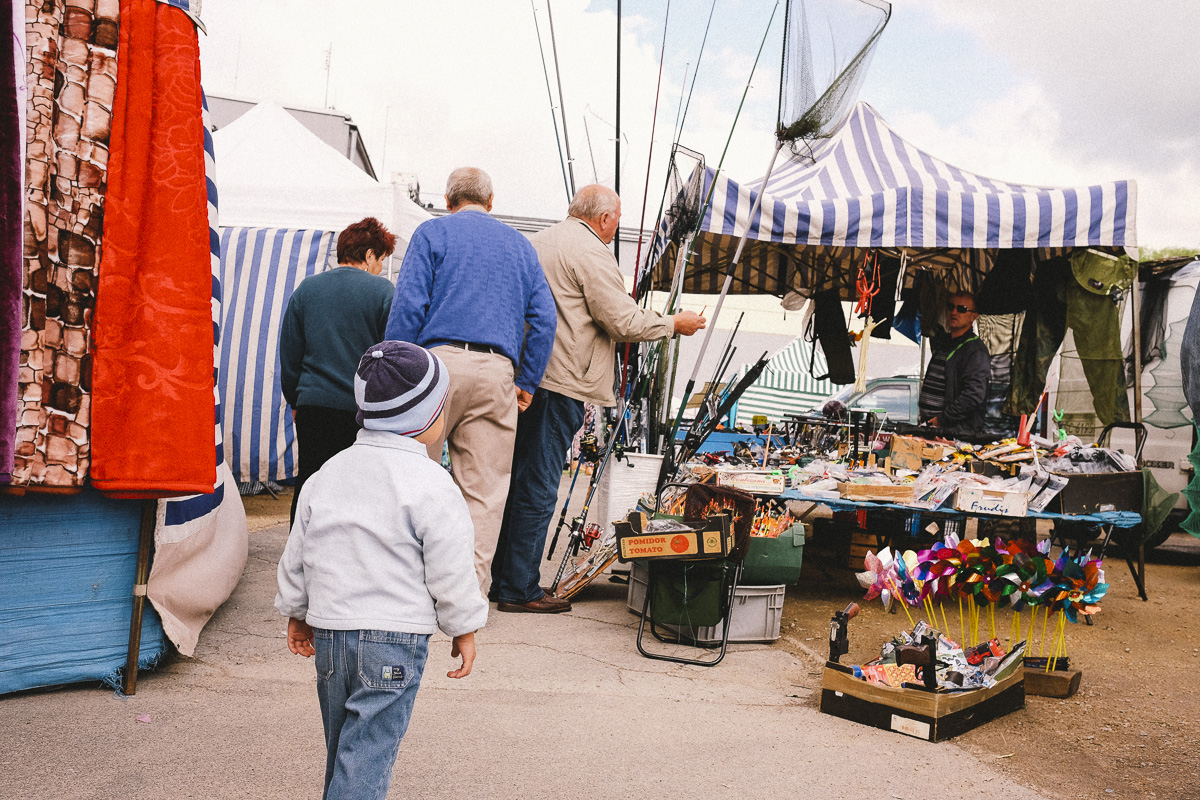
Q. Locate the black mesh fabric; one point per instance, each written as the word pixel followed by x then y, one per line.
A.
pixel 826 51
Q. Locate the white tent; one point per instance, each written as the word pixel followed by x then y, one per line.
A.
pixel 275 173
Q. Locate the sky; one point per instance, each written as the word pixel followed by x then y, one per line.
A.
pixel 1066 93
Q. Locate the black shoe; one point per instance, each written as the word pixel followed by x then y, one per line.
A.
pixel 543 605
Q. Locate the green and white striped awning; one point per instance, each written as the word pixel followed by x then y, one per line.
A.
pixel 787 385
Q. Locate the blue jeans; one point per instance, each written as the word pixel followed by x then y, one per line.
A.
pixel 544 433
pixel 366 683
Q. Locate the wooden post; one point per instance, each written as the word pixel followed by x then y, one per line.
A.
pixel 145 539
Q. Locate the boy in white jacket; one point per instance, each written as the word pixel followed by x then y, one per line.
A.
pixel 380 556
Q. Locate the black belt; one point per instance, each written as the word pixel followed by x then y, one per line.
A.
pixel 472 347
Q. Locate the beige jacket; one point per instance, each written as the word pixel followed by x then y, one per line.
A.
pixel 595 312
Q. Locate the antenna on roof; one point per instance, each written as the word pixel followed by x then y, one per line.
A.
pixel 328 63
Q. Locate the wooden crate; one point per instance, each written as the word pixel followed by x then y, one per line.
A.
pixel 932 716
pixel 860 543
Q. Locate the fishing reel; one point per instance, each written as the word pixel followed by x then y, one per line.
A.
pixel 589 448
pixel 590 534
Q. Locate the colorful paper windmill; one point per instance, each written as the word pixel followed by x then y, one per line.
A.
pixel 879 577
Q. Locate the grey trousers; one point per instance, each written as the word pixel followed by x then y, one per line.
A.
pixel 481 426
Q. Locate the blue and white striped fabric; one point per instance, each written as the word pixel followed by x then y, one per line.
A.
pixel 866 187
pixel 200 541
pixel 183 510
pixel 189 7
pixel 260 268
pixel 786 386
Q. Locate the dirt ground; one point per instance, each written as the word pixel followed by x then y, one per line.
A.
pixel 1130 730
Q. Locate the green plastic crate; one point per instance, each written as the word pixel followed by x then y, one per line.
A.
pixel 772 561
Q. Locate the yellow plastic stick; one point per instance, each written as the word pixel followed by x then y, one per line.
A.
pixel 945 625
pixel 962 628
pixel 900 599
pixel 1045 622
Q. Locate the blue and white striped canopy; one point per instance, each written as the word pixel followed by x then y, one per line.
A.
pixel 866 187
pixel 260 268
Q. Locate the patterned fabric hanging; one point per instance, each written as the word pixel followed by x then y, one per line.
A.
pixel 152 412
pixel 72 81
pixel 12 209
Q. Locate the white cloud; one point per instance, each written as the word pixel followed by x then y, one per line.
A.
pixel 1050 93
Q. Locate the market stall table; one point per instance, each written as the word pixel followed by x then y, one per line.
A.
pixel 1105 521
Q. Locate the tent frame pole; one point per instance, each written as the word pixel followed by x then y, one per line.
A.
pixel 1137 407
pixel 145 539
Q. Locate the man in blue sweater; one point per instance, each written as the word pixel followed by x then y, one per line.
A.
pixel 471 289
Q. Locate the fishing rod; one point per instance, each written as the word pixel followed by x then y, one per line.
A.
pixel 697 435
pixel 562 104
pixel 649 158
pixel 691 383
pixel 589 452
pixel 680 119
pixel 550 95
pixel 576 533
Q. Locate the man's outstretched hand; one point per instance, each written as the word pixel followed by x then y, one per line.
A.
pixel 688 322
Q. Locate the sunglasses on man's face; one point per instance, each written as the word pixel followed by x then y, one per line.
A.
pixel 960 309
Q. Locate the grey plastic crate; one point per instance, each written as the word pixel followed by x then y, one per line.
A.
pixel 757 611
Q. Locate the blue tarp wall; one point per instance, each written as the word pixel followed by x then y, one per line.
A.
pixel 67 568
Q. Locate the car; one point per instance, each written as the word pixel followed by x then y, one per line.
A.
pixel 894 398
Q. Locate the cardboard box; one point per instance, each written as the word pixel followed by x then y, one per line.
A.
pixel 712 538
pixel 932 716
pixel 1101 491
pixel 980 500
pixel 754 481
pixel 881 493
pixel 911 452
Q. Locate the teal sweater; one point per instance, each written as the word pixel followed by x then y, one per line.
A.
pixel 330 321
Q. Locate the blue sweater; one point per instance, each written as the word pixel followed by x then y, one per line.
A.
pixel 470 278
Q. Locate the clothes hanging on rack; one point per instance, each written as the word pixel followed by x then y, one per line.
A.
pixel 1008 288
pixel 829 327
pixel 1061 301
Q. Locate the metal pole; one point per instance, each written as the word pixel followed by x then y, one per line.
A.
pixel 1137 351
pixel 145 539
pixel 1137 410
pixel 617 165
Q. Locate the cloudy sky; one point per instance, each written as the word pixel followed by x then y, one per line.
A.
pixel 1067 93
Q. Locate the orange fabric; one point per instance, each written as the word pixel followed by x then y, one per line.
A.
pixel 152 385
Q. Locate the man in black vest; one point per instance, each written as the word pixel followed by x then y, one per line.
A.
pixel 954 392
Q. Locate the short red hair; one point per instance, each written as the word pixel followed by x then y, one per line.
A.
pixel 366 234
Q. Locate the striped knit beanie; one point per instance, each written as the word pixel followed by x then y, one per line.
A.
pixel 400 387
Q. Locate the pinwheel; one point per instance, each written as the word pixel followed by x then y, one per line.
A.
pixel 878 578
pixel 1085 590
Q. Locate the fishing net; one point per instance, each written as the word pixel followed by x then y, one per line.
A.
pixel 685 184
pixel 827 48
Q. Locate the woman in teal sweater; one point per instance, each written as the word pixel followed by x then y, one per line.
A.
pixel 330 321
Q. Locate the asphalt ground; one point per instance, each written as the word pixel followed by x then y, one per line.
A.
pixel 558 706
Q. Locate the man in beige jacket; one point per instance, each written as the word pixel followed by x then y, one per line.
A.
pixel 594 313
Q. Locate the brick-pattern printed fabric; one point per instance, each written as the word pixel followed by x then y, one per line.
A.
pixel 72 59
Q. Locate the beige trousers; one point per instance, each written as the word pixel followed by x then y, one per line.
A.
pixel 481 425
